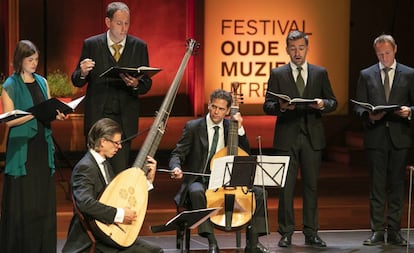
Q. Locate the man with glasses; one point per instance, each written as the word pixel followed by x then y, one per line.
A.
pixel 89 178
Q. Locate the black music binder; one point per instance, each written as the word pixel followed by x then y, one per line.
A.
pixel 243 171
pixel 46 111
pixel 113 72
pixel 7 116
pixel 186 219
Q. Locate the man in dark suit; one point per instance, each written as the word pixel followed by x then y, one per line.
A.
pixel 299 133
pixel 89 179
pixel 110 97
pixel 193 150
pixel 387 138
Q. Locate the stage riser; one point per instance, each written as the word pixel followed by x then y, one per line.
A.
pixel 331 218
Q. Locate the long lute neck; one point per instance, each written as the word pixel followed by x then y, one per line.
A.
pixel 157 130
pixel 233 136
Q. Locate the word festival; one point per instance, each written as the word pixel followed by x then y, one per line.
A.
pixel 243 51
pixel 261 27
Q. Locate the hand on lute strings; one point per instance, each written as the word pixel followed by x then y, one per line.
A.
pixel 151 168
pixel 129 216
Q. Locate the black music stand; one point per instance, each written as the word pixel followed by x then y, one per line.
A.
pixel 233 171
pixel 248 171
pixel 243 171
pixel 271 171
pixel 242 174
pixel 237 171
pixel 230 171
pixel 185 221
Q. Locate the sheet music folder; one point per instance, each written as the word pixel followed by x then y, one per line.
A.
pixel 243 171
pixel 269 170
pixel 190 219
pixel 46 111
pixel 7 116
pixel 113 72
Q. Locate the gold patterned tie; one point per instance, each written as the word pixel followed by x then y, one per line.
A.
pixel 300 83
pixel 117 53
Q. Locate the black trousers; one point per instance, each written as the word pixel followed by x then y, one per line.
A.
pixel 302 156
pixel 387 186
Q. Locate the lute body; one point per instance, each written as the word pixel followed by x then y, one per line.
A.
pixel 130 188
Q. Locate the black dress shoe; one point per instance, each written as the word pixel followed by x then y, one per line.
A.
pixel 314 240
pixel 395 238
pixel 285 241
pixel 375 239
pixel 213 248
pixel 260 248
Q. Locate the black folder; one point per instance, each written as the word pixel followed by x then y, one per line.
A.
pixel 189 219
pixel 244 171
pixel 46 111
pixel 7 116
pixel 113 72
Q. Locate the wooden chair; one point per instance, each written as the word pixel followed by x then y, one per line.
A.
pixel 85 226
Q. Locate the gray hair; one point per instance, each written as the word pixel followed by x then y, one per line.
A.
pixel 115 6
pixel 104 128
pixel 383 38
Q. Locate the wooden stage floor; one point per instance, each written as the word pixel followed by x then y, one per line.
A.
pixel 338 241
pixel 343 200
pixel 343 212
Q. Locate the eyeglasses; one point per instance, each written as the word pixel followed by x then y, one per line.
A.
pixel 116 143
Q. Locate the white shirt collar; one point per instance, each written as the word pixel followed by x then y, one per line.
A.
pixel 393 66
pixel 304 66
pixel 110 42
pixel 98 158
pixel 211 124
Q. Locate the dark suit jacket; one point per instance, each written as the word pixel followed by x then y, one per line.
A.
pixel 87 184
pixel 370 89
pixel 288 124
pixel 135 54
pixel 192 149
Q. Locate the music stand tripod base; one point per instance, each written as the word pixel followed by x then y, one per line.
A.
pixel 185 221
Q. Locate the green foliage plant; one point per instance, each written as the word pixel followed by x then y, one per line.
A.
pixel 60 85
